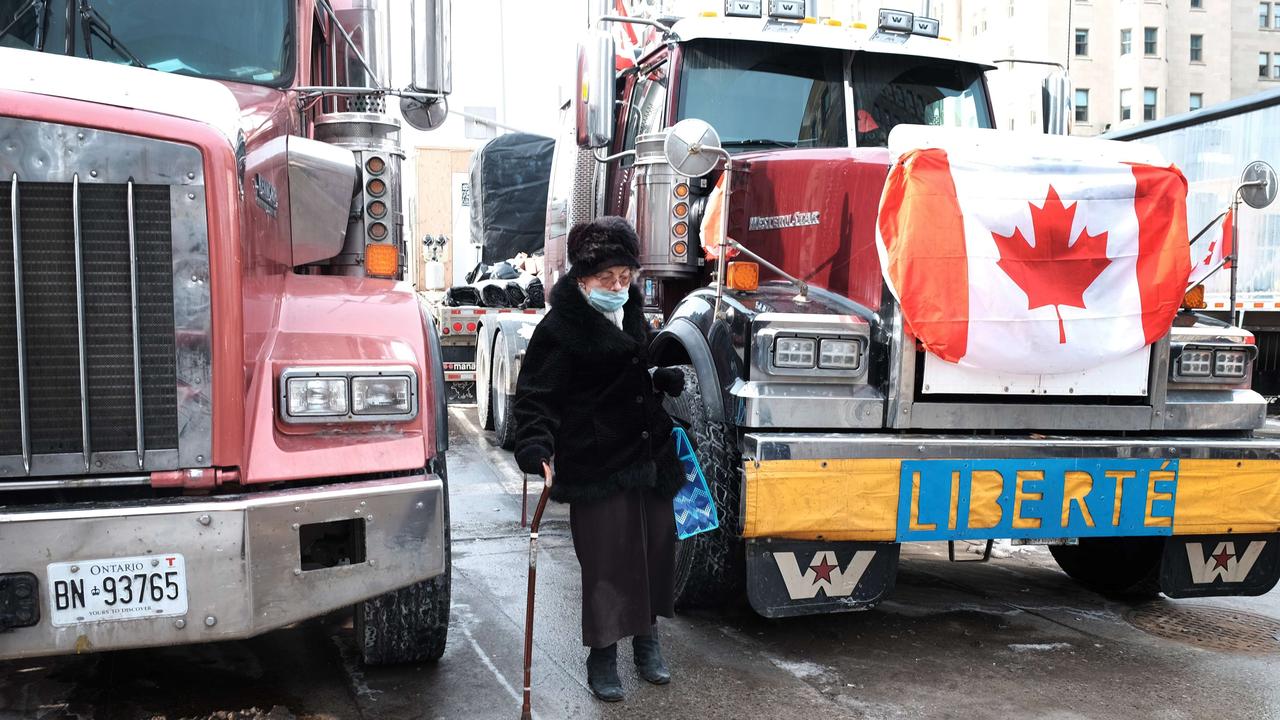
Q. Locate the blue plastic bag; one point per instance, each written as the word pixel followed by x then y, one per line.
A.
pixel 695 510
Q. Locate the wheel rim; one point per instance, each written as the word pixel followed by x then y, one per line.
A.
pixel 499 371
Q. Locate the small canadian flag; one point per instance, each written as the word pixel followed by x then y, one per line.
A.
pixel 1032 254
pixel 1216 254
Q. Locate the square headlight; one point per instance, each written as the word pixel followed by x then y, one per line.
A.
pixel 839 354
pixel 1195 362
pixel 381 396
pixel 794 352
pixel 316 396
pixel 1230 363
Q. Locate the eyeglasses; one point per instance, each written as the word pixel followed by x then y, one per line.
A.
pixel 609 279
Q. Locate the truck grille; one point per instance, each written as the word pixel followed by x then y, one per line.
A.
pixel 89 344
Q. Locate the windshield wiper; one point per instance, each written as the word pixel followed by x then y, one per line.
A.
pixel 760 142
pixel 91 23
pixel 41 7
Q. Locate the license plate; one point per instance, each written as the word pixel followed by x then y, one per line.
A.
pixel 124 588
pixel 1036 498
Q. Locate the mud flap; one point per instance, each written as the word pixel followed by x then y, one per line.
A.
pixel 788 577
pixel 1209 565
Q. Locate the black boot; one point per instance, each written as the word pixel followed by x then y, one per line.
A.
pixel 602 673
pixel 649 660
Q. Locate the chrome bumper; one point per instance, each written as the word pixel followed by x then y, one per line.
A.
pixel 242 557
pixel 854 445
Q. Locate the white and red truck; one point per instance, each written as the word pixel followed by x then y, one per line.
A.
pixel 831 424
pixel 221 409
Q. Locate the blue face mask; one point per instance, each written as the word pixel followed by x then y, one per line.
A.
pixel 607 300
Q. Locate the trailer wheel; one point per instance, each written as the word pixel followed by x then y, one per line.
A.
pixel 409 625
pixel 710 566
pixel 484 408
pixel 500 403
pixel 1120 568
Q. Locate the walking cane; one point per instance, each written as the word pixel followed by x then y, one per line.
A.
pixel 525 712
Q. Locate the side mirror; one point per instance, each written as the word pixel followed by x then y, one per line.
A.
pixel 692 147
pixel 322 178
pixel 432 64
pixel 1260 185
pixel 1055 98
pixel 594 99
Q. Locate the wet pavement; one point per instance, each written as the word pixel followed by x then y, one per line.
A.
pixel 1012 637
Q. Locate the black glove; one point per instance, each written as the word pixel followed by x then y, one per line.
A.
pixel 669 381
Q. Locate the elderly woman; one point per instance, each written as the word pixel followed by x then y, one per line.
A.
pixel 588 418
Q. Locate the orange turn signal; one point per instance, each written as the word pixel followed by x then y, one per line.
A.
pixel 1194 299
pixel 743 276
pixel 381 260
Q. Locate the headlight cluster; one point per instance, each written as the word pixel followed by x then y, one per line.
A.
pixel 822 353
pixel 339 395
pixel 1200 363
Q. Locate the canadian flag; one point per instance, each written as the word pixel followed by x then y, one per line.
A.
pixel 712 218
pixel 1032 254
pixel 1216 255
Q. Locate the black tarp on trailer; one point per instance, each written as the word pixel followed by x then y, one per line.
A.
pixel 509 179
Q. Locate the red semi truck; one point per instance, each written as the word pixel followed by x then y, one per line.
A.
pixel 828 433
pixel 221 411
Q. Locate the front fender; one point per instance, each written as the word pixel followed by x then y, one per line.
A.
pixel 680 341
pixel 343 321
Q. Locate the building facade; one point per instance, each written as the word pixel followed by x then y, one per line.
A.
pixel 1129 60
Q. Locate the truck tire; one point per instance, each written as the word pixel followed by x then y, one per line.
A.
pixel 710 566
pixel 484 408
pixel 500 403
pixel 1119 568
pixel 409 625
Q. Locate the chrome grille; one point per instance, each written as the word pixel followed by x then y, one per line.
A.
pixel 96 366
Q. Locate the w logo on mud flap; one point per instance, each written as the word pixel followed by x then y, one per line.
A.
pixel 822 574
pixel 1223 563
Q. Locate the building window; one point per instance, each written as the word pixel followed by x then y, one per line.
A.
pixel 1197 48
pixel 1197 101
pixel 1082 105
pixel 1263 61
pixel 1126 110
pixel 1082 42
pixel 1275 66
pixel 1264 15
pixel 1126 41
pixel 1148 103
pixel 1197 4
pixel 1149 40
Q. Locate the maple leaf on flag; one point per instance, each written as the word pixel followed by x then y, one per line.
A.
pixel 1054 271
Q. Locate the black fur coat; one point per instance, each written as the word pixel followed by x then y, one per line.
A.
pixel 585 398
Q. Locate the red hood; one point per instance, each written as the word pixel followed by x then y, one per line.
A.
pixel 775 195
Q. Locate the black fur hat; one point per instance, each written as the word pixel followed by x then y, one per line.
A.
pixel 602 243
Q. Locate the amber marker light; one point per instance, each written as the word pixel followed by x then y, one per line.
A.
pixel 378 231
pixel 743 276
pixel 381 260
pixel 682 191
pixel 1194 299
pixel 680 229
pixel 375 165
pixel 680 210
pixel 679 248
pixel 377 209
pixel 376 187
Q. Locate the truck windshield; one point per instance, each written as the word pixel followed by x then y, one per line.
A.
pixel 762 95
pixel 890 90
pixel 240 40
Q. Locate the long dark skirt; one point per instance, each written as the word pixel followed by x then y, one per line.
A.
pixel 626 546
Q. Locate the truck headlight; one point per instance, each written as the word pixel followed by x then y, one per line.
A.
pixel 1195 362
pixel 1230 363
pixel 380 395
pixel 317 397
pixel 794 352
pixel 348 394
pixel 839 354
